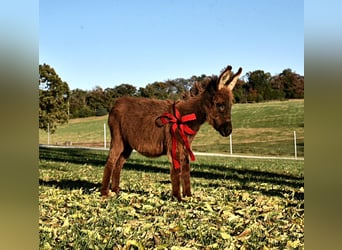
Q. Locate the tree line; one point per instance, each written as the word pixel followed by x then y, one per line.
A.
pixel 58 103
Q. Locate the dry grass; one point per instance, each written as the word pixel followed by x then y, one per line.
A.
pixel 236 204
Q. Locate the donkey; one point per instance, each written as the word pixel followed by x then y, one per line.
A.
pixel 158 127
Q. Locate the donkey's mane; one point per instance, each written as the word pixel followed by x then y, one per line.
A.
pixel 199 87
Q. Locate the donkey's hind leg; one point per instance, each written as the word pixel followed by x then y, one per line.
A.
pixel 113 156
pixel 117 169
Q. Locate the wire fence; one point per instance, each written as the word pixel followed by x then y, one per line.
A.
pixel 243 143
pixel 196 153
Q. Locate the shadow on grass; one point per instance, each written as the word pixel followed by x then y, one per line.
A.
pixel 206 171
pixel 73 155
pixel 87 186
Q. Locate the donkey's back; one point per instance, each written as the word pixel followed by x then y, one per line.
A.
pixel 132 121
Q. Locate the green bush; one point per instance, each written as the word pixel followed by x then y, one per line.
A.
pixel 101 111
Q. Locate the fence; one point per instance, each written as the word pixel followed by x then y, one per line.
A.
pixel 235 150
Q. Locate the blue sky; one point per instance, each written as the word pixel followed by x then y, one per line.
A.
pixel 107 43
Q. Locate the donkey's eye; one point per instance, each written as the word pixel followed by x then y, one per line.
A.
pixel 221 107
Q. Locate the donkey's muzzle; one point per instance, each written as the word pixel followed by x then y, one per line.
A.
pixel 225 129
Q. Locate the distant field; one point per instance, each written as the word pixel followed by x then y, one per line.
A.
pixel 258 129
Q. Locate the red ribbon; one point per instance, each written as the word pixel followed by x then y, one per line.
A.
pixel 183 129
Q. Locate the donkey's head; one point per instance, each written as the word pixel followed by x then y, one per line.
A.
pixel 219 100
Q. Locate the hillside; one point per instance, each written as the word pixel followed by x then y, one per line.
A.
pixel 258 129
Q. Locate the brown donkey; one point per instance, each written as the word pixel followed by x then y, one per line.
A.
pixel 158 127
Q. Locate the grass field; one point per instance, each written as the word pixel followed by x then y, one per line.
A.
pixel 236 204
pixel 258 129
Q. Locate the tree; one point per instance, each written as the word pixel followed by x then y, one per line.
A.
pixel 111 94
pixel 259 84
pixel 239 92
pixel 293 84
pixel 277 88
pixel 54 97
pixel 288 85
pixel 156 90
pixel 96 101
pixel 78 104
pixel 125 90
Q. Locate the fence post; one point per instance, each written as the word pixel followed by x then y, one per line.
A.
pixel 295 143
pixel 230 144
pixel 104 136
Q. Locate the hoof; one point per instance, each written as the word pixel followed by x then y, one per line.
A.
pixel 187 194
pixel 104 193
pixel 107 195
pixel 116 190
pixel 178 197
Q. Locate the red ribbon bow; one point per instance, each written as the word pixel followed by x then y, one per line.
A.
pixel 179 122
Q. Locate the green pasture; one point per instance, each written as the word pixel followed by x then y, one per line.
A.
pixel 258 129
pixel 236 203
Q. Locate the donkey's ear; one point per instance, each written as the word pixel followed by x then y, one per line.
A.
pixel 227 79
pixel 224 77
pixel 234 79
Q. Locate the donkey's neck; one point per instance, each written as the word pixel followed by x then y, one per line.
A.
pixel 193 105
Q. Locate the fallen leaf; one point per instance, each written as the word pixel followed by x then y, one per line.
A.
pixel 133 243
pixel 175 229
pixel 245 233
pixel 225 235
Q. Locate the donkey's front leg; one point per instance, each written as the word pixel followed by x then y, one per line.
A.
pixel 175 180
pixel 186 177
